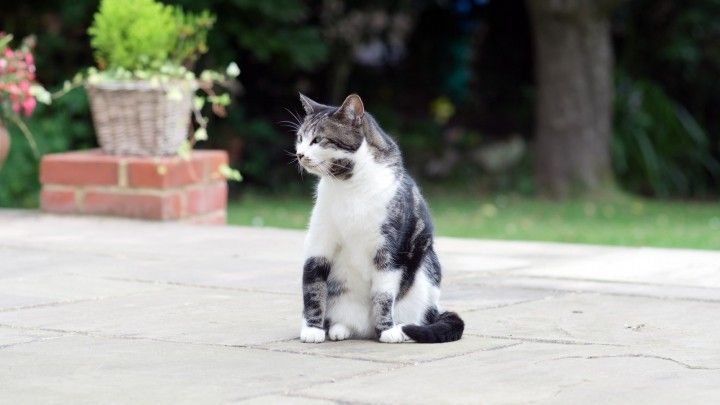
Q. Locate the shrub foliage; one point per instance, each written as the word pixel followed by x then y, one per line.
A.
pixel 133 34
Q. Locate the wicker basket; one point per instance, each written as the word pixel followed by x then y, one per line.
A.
pixel 141 118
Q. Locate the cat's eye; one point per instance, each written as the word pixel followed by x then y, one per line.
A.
pixel 298 139
pixel 314 141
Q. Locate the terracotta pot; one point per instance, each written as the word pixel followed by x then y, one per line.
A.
pixel 4 144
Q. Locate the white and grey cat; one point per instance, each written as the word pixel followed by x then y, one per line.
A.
pixel 370 269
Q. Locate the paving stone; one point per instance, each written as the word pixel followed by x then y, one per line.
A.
pixel 96 310
pixel 47 289
pixel 289 400
pixel 559 285
pixel 533 373
pixel 678 267
pixel 226 272
pixel 91 370
pixel 463 262
pixel 460 296
pixel 686 330
pixel 19 261
pixel 405 353
pixel 11 336
pixel 92 235
pixel 181 314
pixel 533 252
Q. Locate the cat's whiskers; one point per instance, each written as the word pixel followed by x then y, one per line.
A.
pixel 289 124
pixel 296 117
pixel 330 173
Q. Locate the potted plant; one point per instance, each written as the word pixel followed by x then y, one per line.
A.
pixel 19 90
pixel 143 90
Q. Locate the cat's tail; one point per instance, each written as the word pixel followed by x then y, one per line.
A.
pixel 447 327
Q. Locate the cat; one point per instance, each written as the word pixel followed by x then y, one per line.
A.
pixel 370 270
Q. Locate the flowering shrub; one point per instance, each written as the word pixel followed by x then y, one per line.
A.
pixel 19 90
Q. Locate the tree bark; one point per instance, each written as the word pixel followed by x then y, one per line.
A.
pixel 573 71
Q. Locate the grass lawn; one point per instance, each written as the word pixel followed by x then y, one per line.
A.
pixel 624 221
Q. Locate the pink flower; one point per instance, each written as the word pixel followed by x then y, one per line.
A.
pixel 8 53
pixel 29 105
pixel 29 59
pixel 24 86
pixel 16 107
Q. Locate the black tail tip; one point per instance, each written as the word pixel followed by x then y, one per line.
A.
pixel 448 327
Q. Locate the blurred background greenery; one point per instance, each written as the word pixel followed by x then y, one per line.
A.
pixel 455 82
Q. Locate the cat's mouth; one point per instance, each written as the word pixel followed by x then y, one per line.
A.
pixel 314 168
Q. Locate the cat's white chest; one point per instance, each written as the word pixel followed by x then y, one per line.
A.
pixel 357 212
pixel 358 223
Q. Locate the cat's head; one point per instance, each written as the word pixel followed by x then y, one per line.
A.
pixel 329 138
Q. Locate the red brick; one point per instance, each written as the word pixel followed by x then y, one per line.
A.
pixel 58 201
pixel 133 205
pixel 79 168
pixel 164 172
pixel 213 160
pixel 160 188
pixel 207 198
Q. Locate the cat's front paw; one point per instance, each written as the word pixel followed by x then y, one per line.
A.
pixel 339 332
pixel 309 334
pixel 394 335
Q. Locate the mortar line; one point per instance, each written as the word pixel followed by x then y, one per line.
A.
pixel 70 302
pixel 608 293
pixel 600 281
pixel 510 304
pixel 131 337
pixel 251 346
pixel 546 340
pixel 638 355
pixel 368 373
pixel 181 284
pixel 400 366
pixel 289 391
pixel 321 398
pixel 254 346
pixel 38 339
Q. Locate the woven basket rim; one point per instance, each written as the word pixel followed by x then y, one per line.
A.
pixel 138 84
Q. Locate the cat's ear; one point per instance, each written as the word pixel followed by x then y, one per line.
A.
pixel 310 106
pixel 352 109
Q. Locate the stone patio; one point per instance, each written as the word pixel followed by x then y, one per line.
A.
pixel 96 310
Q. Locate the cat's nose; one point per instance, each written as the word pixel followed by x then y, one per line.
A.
pixel 299 156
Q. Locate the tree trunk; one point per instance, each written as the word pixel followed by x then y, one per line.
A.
pixel 573 70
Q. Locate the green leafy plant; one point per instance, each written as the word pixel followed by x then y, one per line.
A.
pixel 133 34
pixel 144 34
pixel 658 148
pixel 192 30
pixel 147 40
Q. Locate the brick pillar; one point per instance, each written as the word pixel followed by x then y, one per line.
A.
pixel 156 188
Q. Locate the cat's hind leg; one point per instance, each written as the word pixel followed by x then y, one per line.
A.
pixel 385 286
pixel 394 335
